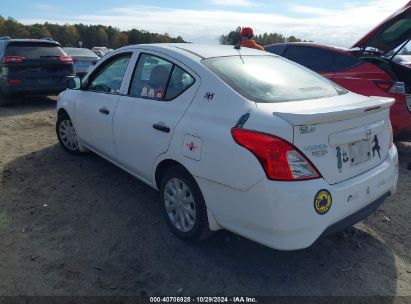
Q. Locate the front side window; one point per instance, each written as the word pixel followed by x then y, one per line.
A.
pixel 108 78
pixel 157 78
pixel 271 78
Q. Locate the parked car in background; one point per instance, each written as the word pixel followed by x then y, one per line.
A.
pixel 99 53
pixel 32 67
pixel 404 60
pixel 364 69
pixel 103 49
pixel 83 59
pixel 236 139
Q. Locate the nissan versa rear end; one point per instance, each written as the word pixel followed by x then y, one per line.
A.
pixel 254 143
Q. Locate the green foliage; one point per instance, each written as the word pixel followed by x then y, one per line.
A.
pixel 90 35
pixel 233 38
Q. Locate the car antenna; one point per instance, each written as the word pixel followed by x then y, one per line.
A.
pixel 238 48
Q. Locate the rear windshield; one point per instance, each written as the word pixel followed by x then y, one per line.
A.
pixel 271 79
pixel 34 50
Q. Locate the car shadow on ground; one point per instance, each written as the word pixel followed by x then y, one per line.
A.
pixel 29 104
pixel 78 225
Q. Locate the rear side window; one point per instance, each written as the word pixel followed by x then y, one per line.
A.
pixel 34 50
pixel 157 78
pixel 180 80
pixel 271 79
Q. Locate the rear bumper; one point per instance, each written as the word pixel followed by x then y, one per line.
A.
pixel 51 85
pixel 281 215
pixel 356 216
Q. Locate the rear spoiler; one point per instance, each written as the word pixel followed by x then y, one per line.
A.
pixel 320 114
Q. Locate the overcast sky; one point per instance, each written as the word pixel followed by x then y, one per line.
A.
pixel 339 23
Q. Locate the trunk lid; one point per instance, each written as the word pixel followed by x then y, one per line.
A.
pixel 40 68
pixel 84 61
pixel 342 136
pixel 389 34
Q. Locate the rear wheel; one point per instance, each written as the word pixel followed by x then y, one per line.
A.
pixel 66 134
pixel 183 205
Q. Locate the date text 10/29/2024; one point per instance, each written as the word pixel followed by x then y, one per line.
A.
pixel 203 300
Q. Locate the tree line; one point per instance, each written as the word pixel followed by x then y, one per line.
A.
pixel 233 38
pixel 112 37
pixel 91 35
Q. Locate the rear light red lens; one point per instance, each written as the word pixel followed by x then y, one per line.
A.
pixel 279 159
pixel 14 81
pixel 13 59
pixel 66 59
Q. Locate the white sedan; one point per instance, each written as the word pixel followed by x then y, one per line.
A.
pixel 241 140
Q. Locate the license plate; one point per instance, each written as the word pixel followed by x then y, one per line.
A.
pixel 82 63
pixel 44 80
pixel 360 151
pixel 409 102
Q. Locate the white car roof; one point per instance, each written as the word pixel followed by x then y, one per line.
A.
pixel 201 51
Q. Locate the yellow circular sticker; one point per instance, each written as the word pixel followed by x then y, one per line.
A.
pixel 322 201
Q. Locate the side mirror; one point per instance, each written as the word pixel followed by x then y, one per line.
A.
pixel 74 83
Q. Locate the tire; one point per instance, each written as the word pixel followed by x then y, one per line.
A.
pixel 187 220
pixel 66 134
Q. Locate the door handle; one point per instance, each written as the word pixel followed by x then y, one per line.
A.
pixel 104 110
pixel 161 128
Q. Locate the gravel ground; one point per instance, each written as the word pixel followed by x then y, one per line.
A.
pixel 78 225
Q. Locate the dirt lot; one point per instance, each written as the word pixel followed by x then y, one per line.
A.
pixel 77 225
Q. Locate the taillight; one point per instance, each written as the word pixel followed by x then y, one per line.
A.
pixel 13 59
pixel 66 59
pixel 393 87
pixel 14 81
pixel 279 159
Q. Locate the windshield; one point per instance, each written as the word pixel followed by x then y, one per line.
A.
pixel 271 78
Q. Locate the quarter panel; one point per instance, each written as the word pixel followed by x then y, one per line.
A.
pixel 210 121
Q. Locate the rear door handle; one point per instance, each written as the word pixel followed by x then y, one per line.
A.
pixel 104 110
pixel 161 128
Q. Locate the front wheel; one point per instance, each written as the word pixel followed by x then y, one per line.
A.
pixel 183 205
pixel 66 134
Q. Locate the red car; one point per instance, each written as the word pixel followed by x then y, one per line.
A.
pixel 366 68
